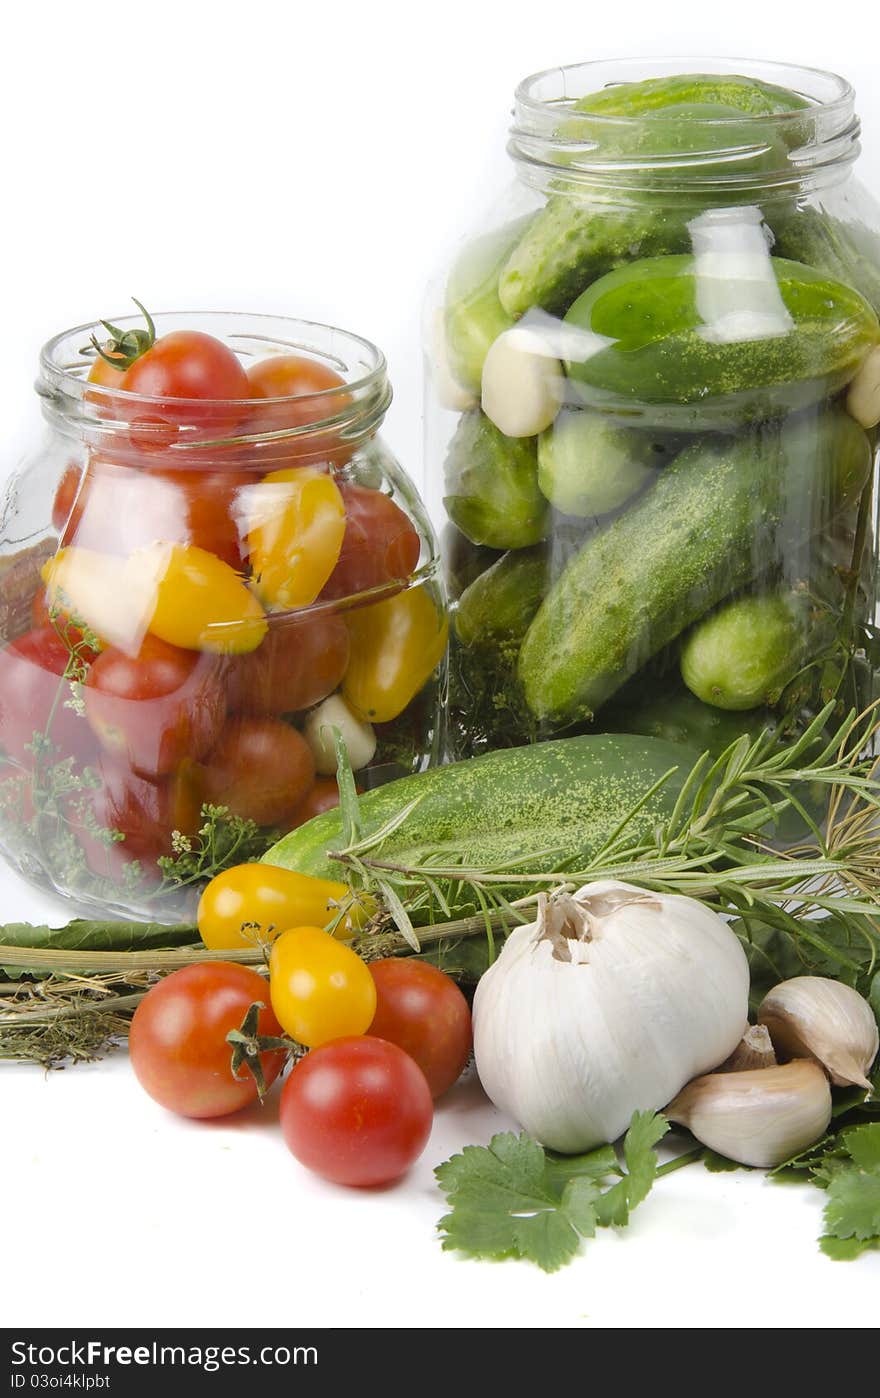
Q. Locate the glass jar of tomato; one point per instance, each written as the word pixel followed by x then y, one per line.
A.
pixel 210 569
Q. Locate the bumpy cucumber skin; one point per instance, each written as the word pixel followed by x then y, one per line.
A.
pixel 492 485
pixel 848 252
pixel 576 238
pixel 498 606
pixel 660 354
pixel 719 514
pixel 747 95
pixel 743 655
pixel 573 241
pixel 565 796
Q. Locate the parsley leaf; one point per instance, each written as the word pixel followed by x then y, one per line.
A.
pixel 853 1208
pixel 514 1199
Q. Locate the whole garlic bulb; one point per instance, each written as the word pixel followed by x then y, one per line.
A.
pixel 609 1003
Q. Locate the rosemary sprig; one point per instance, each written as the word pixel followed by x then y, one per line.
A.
pixel 712 846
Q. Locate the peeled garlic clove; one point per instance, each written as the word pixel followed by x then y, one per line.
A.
pixel 359 737
pixel 523 383
pixel 760 1117
pixel 863 399
pixel 814 1017
pixel 754 1050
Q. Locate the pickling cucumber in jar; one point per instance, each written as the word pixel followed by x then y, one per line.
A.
pixel 662 440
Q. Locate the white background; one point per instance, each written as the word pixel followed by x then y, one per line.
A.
pixel 319 161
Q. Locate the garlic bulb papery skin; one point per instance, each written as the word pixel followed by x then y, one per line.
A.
pixel 814 1017
pixel 761 1117
pixel 608 1004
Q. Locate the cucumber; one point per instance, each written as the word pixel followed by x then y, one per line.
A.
pixel 746 95
pixel 473 315
pixel 721 513
pixel 744 654
pixel 491 480
pixel 848 251
pixel 499 605
pixel 565 796
pixel 585 232
pixel 589 465
pixel 681 347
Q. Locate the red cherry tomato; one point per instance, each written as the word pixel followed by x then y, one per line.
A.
pixel 144 812
pixel 156 708
pixel 357 1111
pixel 301 661
pixel 187 365
pixel 324 796
pixel 177 1042
pixel 261 769
pixel 297 391
pixel 422 1010
pixel 65 496
pixel 33 697
pixel 380 544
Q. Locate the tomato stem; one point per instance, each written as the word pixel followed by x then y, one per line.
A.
pixel 125 346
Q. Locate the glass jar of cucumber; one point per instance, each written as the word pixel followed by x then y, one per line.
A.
pixel 653 398
pixel 211 567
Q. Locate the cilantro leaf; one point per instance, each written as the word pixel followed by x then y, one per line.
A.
pixel 853 1207
pixel 503 1207
pixel 846 1249
pixel 646 1129
pixel 862 1144
pixel 513 1199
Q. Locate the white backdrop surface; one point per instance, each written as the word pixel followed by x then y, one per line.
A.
pixel 319 162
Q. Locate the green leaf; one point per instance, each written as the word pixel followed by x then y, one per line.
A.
pixel 503 1207
pixel 513 1199
pixel 646 1129
pixel 863 1145
pixel 853 1207
pixel 84 935
pixel 846 1249
pixel 719 1164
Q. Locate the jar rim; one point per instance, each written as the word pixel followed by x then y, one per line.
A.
pixel 681 66
pixel 67 375
pixel 552 138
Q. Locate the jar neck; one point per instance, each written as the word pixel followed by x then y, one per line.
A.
pixel 688 148
pixel 258 434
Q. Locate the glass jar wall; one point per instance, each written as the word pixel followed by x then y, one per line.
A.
pixel 653 396
pixel 196 598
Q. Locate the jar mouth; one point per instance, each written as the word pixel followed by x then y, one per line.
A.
pixel 554 132
pixel 352 410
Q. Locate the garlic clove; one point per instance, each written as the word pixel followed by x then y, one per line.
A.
pixel 815 1017
pixel 863 399
pixel 760 1117
pixel 754 1050
pixel 318 730
pixel 523 383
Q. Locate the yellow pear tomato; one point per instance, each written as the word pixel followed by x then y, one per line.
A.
pixel 296 527
pixel 200 603
pixel 260 901
pixel 320 988
pixel 396 645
